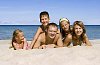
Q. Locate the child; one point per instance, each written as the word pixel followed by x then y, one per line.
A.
pixel 18 40
pixel 50 38
pixel 65 31
pixel 44 19
pixel 79 34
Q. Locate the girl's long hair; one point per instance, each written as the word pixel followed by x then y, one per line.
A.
pixel 79 23
pixel 15 33
pixel 63 33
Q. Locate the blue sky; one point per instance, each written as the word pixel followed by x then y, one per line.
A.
pixel 26 12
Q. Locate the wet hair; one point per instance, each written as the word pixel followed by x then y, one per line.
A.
pixel 63 33
pixel 44 13
pixel 79 23
pixel 51 24
pixel 15 33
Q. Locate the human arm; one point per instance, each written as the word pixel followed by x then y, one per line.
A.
pixel 35 37
pixel 59 41
pixel 47 46
pixel 51 46
pixel 87 42
pixel 38 42
pixel 25 44
pixel 68 40
pixel 15 46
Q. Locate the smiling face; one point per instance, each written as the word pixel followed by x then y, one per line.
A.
pixel 65 25
pixel 20 37
pixel 52 31
pixel 78 30
pixel 44 20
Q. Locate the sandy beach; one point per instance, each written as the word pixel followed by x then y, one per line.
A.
pixel 78 55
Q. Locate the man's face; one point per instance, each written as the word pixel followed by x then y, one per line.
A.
pixel 52 31
pixel 44 20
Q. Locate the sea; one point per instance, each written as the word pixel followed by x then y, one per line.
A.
pixel 6 31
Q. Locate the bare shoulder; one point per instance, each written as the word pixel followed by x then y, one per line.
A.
pixel 42 36
pixel 39 30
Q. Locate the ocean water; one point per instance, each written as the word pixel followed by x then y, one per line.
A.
pixel 6 31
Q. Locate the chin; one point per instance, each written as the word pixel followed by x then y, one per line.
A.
pixel 78 34
pixel 52 37
pixel 44 24
pixel 22 40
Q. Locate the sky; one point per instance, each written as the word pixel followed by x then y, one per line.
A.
pixel 26 12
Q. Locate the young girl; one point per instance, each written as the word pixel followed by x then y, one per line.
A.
pixel 79 34
pixel 18 40
pixel 65 31
pixel 44 19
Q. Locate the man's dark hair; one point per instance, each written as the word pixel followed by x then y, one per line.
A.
pixel 44 13
pixel 52 24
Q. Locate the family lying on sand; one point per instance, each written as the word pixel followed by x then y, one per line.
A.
pixel 49 36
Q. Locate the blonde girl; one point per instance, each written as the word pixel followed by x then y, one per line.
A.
pixel 18 40
pixel 65 31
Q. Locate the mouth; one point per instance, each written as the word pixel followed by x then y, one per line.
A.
pixel 45 23
pixel 22 39
pixel 79 33
pixel 52 36
pixel 66 29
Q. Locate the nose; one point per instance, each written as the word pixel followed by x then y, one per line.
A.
pixel 78 29
pixel 44 21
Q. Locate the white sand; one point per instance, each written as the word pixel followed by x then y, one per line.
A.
pixel 79 55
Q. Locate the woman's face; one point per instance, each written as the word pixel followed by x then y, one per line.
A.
pixel 65 26
pixel 78 30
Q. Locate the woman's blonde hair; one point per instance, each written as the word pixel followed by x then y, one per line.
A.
pixel 61 30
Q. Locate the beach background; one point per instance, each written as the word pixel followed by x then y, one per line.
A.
pixel 6 31
pixel 78 55
pixel 24 15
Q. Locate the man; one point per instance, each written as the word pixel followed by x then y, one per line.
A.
pixel 50 38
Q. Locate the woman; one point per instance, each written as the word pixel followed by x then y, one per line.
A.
pixel 79 34
pixel 65 31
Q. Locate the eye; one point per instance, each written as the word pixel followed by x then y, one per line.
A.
pixel 76 28
pixel 45 18
pixel 80 28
